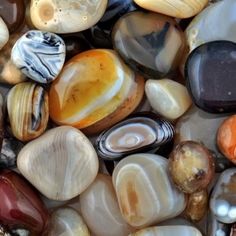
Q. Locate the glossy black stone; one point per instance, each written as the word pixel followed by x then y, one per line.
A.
pixel 100 34
pixel 151 44
pixel 211 76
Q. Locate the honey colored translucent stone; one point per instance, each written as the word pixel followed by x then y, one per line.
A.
pixel 226 138
pixel 100 209
pixel 94 91
pixel 67 222
pixel 191 166
pixel 144 190
pixel 66 16
pixel 175 8
pixel 168 231
pixel 168 98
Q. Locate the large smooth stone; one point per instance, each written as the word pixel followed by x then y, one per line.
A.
pixel 168 93
pixel 13 13
pixel 168 231
pixel 39 55
pixel 175 8
pixel 67 222
pixel 145 191
pixel 226 138
pixel 20 205
pixel 196 125
pixel 100 209
pixel 216 22
pixel 94 91
pixel 223 198
pixel 27 106
pixel 9 73
pixel 210 73
pixel 66 16
pixel 151 44
pixel 61 163
pixel 4 33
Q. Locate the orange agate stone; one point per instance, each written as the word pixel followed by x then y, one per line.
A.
pixel 226 138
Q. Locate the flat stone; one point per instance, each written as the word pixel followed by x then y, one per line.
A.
pixel 39 55
pixel 153 47
pixel 210 73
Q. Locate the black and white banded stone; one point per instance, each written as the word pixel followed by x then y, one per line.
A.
pixel 39 55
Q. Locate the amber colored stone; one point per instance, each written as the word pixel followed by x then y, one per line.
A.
pixel 20 205
pixel 226 138
pixel 13 13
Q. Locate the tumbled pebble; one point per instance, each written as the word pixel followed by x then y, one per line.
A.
pixel 168 98
pixel 39 55
pixel 4 33
pixel 137 180
pixel 61 163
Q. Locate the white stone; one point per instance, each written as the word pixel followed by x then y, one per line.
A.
pixel 4 33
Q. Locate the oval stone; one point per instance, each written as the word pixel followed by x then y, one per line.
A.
pixel 39 55
pixel 61 163
pixel 4 33
pixel 143 180
pixel 66 16
pixel 99 208
pixel 151 44
pixel 210 73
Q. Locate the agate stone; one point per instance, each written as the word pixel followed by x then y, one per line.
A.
pixel 151 44
pixel 210 73
pixel 39 55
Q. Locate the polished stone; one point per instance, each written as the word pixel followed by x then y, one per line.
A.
pixel 100 209
pixel 196 125
pixel 210 73
pixel 174 8
pixel 13 13
pixel 226 138
pixel 166 93
pixel 4 33
pixel 66 16
pixel 61 163
pixel 215 22
pixel 151 44
pixel 94 91
pixel 20 205
pixel 145 192
pixel 223 197
pixel 39 55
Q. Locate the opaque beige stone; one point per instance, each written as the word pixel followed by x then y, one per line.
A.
pixel 175 8
pixel 144 190
pixel 61 164
pixel 4 33
pixel 100 209
pixel 66 16
pixel 168 98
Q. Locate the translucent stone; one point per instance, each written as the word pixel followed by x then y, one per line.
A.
pixel 144 190
pixel 100 209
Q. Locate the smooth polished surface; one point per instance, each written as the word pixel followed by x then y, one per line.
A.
pixel 61 164
pixel 100 209
pixel 226 138
pixel 27 106
pixel 66 16
pixel 13 13
pixel 143 180
pixel 168 231
pixel 4 33
pixel 151 44
pixel 166 93
pixel 191 166
pixel 215 22
pixel 67 222
pixel 94 91
pixel 222 201
pixel 141 132
pixel 174 8
pixel 210 73
pixel 20 205
pixel 39 55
